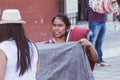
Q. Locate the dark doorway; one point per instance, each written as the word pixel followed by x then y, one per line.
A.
pixel 82 10
pixel 61 6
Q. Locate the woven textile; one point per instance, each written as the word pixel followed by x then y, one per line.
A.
pixel 63 61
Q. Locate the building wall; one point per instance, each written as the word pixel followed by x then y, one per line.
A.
pixel 37 14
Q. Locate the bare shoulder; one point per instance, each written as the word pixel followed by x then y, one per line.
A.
pixel 2 55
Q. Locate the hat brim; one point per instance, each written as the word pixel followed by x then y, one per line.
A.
pixel 6 22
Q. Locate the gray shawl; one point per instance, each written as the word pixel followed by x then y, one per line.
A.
pixel 63 61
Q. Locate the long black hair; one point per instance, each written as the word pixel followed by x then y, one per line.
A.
pixel 15 31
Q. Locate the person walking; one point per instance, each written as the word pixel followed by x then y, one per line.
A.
pixel 97 24
pixel 18 55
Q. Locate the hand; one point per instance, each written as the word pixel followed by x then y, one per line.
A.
pixel 92 51
pixel 85 42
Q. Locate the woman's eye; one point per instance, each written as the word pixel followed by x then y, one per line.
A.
pixel 59 25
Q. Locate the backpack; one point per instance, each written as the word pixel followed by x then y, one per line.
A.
pixel 104 6
pixel 78 33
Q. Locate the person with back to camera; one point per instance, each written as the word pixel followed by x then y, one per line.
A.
pixel 61 28
pixel 18 55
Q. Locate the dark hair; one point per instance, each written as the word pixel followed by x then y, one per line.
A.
pixel 64 18
pixel 16 32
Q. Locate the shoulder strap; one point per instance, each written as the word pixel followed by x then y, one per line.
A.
pixel 90 33
pixel 50 41
pixel 68 35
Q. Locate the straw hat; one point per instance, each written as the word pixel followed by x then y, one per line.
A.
pixel 11 16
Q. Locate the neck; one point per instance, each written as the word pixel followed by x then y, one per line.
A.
pixel 58 40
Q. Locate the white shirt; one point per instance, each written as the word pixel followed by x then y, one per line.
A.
pixel 10 50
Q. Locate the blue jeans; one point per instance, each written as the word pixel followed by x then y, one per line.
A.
pixel 98 29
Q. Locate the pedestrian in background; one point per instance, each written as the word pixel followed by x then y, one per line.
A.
pixel 62 32
pixel 97 24
pixel 18 55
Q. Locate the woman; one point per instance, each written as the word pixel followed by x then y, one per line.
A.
pixel 61 33
pixel 18 55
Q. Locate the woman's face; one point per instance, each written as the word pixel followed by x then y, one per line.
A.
pixel 59 28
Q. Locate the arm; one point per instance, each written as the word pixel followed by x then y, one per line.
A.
pixel 38 67
pixel 3 63
pixel 92 51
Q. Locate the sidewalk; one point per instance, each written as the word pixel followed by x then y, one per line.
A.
pixel 111 46
pixel 111 50
pixel 111 54
pixel 108 72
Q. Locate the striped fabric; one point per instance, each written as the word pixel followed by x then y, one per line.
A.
pixel 104 6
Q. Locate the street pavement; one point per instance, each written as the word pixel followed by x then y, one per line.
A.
pixel 111 72
pixel 111 45
pixel 111 54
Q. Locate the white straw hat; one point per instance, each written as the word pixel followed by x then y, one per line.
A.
pixel 11 16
